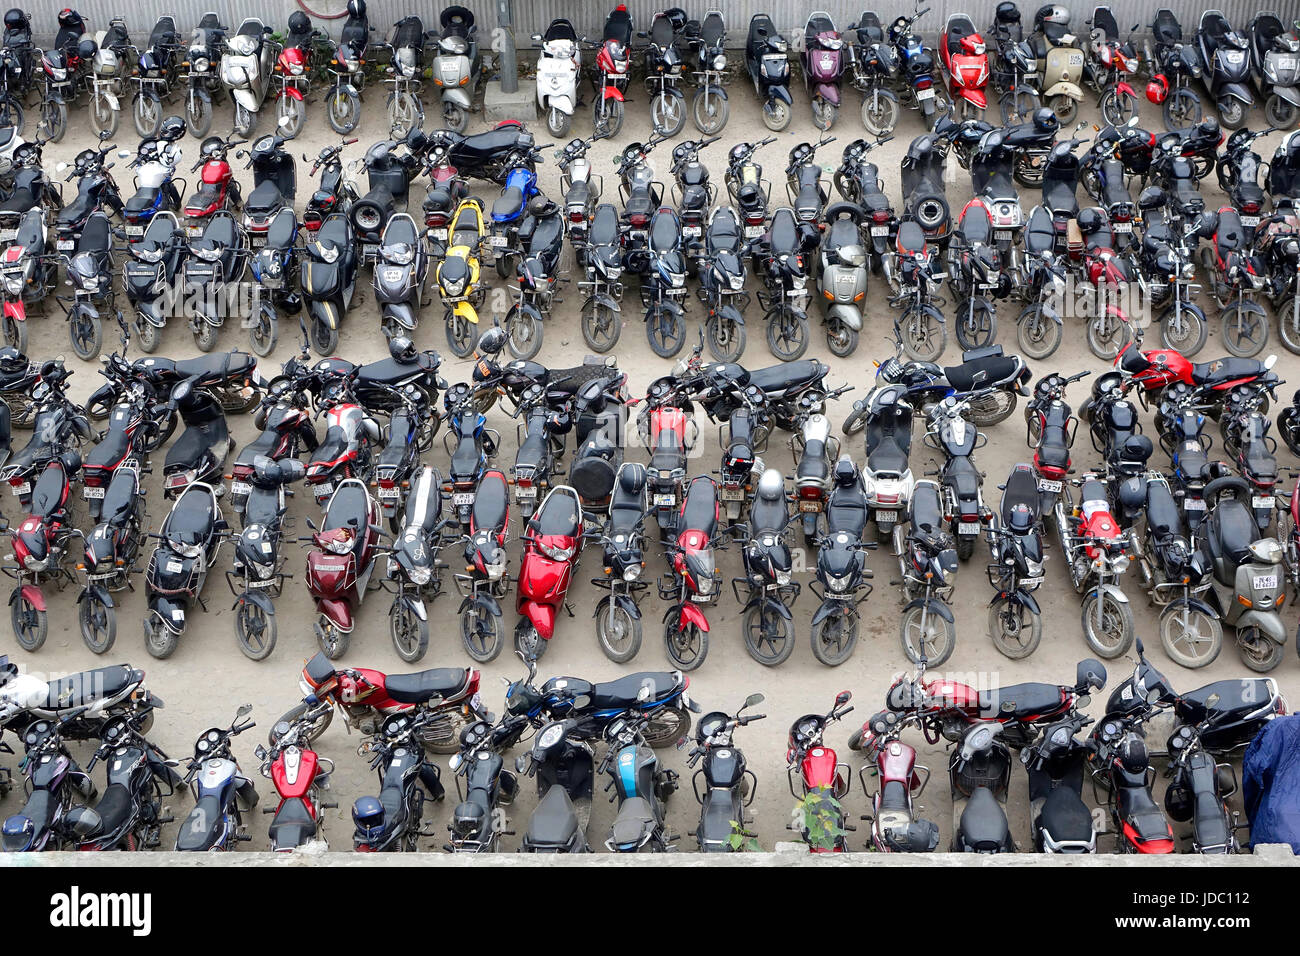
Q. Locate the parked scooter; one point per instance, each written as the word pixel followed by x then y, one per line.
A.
pixel 1060 822
pixel 565 767
pixel 558 69
pixel 457 66
pixel 769 71
pixel 341 563
pixel 246 70
pixel 979 776
pixel 825 61
pixel 476 822
pixel 189 544
pixel 1273 58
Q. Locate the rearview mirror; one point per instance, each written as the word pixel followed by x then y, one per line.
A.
pixel 244 710
pixel 843 697
pixel 753 700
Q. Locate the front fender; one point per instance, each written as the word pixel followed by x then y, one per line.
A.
pixel 456 97
pixel 16 310
pixel 780 93
pixel 292 92
pixel 623 601
pixel 605 299
pixel 1113 591
pixel 1021 597
pixel 111 99
pixel 1072 90
pixel 99 593
pixel 935 605
pixel 31 593
pixel 463 310
pixel 255 596
pixel 848 315
pixel 1124 87
pixel 1236 91
pixel 415 604
pixel 690 614
pixel 1268 622
pixel 326 310
pixel 485 601
pixel 401 313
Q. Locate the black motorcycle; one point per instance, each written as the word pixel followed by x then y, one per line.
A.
pixel 188 545
pixel 391 821
pixel 729 785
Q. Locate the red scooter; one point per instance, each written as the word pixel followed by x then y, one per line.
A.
pixel 341 562
pixel 299 774
pixel 218 188
pixel 966 62
pixel 694 579
pixel 895 828
pixel 553 540
pixel 367 697
pixel 40 543
pixel 822 781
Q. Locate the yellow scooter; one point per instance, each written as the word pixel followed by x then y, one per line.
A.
pixel 458 275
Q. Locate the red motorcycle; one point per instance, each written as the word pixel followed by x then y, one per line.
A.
pixel 694 579
pixel 345 452
pixel 612 64
pixel 966 62
pixel 553 540
pixel 299 774
pixel 291 70
pixel 895 827
pixel 663 426
pixel 484 582
pixel 40 544
pixel 218 188
pixel 1096 262
pixel 822 780
pixel 339 566
pixel 1153 369
pixel 1051 427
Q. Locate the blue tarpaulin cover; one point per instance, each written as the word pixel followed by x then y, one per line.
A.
pixel 1271 783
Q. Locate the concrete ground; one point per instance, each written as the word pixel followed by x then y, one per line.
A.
pixel 208 677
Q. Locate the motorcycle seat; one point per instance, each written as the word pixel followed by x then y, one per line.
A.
pixel 1214 27
pixel 847 511
pixel 465 459
pixel 293 825
pixel 555 822
pixel 47 495
pixel 203 826
pixel 113 808
pixel 142 200
pixel 783 236
pixel 604 226
pixel 1165 28
pixel 491 501
pixel 1260 463
pixel 110 451
pixel 509 205
pixel 39 808
pixel 1138 810
pixel 626 692
pixel 76 211
pixel 119 502
pixel 349 504
pixel 281 231
pixel 768 515
pixel 724 232
pixel 911 237
pixel 779 378
pixel 96 235
pixel 195 441
pixel 389 371
pixel 1066 817
pixel 635 816
pixel 667 456
pixel 1236 699
pixel 665 231
pixel 1021 489
pixel 423 686
pixel 86 687
pixel 393 801
pixel 628 501
pixel 1230 236
pixel 979 372
pixel 533 448
pixel 700 509
pixel 265 197
pixel 1019 701
pixel 925 511
pixel 1060 197
pixel 1024 135
pixel 1225 370
pixel 164 33
pixel 983 827
pixel 618 26
pixel 1163 516
pixel 262 508
pixel 893 796
pixel 963 477
pixel 221 232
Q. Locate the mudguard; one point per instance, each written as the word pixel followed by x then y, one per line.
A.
pixel 326 311
pixel 1019 596
pixel 690 614
pixel 613 93
pixel 976 97
pixel 400 312
pixel 1268 622
pixel 829 92
pixel 1072 90
pixel 624 602
pixel 246 99
pixel 1236 91
pixel 16 310
pixel 779 93
pixel 935 605
pixel 258 597
pixel 1124 87
pixel 463 310
pixel 486 601
pixel 112 100
pixel 31 593
pixel 456 97
pixel 100 594
pixel 1288 94
pixel 415 604
pixel 171 613
pixel 605 299
pixel 149 312
pixel 562 103
pixel 339 613
pixel 292 92
pixel 846 314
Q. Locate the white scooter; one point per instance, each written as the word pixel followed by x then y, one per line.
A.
pixel 558 69
pixel 246 71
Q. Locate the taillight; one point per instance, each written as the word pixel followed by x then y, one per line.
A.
pixel 577 216
pixel 638 219
pixel 523 482
pixel 811 492
pixel 1250 208
pixel 880 215
pixel 924 83
pixel 754 219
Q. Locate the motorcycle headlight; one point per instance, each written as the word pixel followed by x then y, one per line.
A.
pixel 719 62
pixel 185 550
pixel 402 255
pixel 454 286
pixel 420 576
pixel 706 585
pixel 150 255
pixel 632 573
pixel 838 585
pixel 798 282
pixel 783 578
pixel 737 283
pixel 1035 568
pixel 496 571
pixel 261 571
pixel 14 284
pixel 36 564
pixel 1120 564
pixel 200 64
pixel 328 253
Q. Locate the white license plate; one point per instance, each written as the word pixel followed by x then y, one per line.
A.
pixel 968 527
pixel 526 492
pixel 1046 485
pixel 390 492
pixel 462 498
pixel 1251 221
pixel 257 242
pixel 93 492
pixel 665 501
pixel 886 517
pixel 733 494
pixel 22 489
pixel 1002 235
pixel 1030 584
pixel 1194 504
pixel 1261 501
pixel 794 293
pixel 324 489
pixel 194 231
pixel 750 231
pixel 807 507
pixel 174 567
pixel 689 231
pixel 497 242
pixel 1121 227
pixel 269 582
pixel 1263 582
pixel 240 488
pixel 64 245
pixel 880 230
pixel 438 233
pixel 701 598
pixel 135 230
pixel 925 94
pixel 393 274
pixel 1286 63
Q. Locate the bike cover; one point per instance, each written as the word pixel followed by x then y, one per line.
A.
pixel 1271 783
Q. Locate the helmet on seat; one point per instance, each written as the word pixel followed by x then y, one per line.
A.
pixel 1090 220
pixel 1021 518
pixel 16 19
pixel 401 348
pixel 1132 753
pixel 539 207
pixel 1045 120
pixel 771 485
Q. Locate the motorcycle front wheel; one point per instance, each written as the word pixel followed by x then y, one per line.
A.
pixel 1244 331
pixel 263 334
pixel 146 113
pixel 198 115
pixel 665 330
pixel 528 642
pixel 686 647
pixel 776 115
pixel 923 336
pixel 1183 331
pixel 294 111
pixel 1116 107
pixel 332 641
pixel 98 624
pixel 404 114
pixel 1288 324
pixel 1017 106
pixel 1191 638
pixel 710 111
pixel 454 118
pixel 410 634
pixel 255 631
pixel 1258 652
pixel 607 124
pixel 147 335
pixel 343 111
pixel 30 623
pixel 834 637
pixel 482 634
pixel 787 333
pixel 87 334
pixel 769 635
pixel 14 333
pixel 668 114
pixel 103 117
pixel 1107 336
pixel 1182 109
pixel 618 632
pixel 880 112
pixel 159 640
pixel 1015 629
pixel 601 326
pixel 54 121
pixel 1037 333
pixel 11 113
pixel 1232 112
pixel 524 331
pixel 937 636
pixel 462 335
pixel 975 325
pixel 558 122
pixel 244 120
pixel 1066 108
pixel 725 337
pixel 1107 625
pixel 324 339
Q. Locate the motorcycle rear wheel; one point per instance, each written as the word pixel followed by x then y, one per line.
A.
pixel 669 725
pixel 1288 323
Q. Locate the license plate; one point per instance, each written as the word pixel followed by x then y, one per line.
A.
pixel 389 492
pixel 174 567
pixel 886 517
pixel 1046 485
pixel 1030 584
pixel 1002 235
pixel 256 242
pixel 806 507
pixel 462 498
pixel 733 494
pixel 968 527
pixel 240 488
pixel 880 230
pixel 22 489
pixel 497 242
pixel 269 582
pixel 1251 221
pixel 64 245
pixel 794 293
pixel 526 492
pixel 689 231
pixel 438 233
pixel 1194 504
pixel 393 274
pixel 1263 582
pixel 665 501
pixel 1286 63
pixel 324 488
pixel 1261 501
pixel 925 94
pixel 750 231
pixel 194 231
pixel 135 230
pixel 95 492
pixel 1123 227
pixel 701 598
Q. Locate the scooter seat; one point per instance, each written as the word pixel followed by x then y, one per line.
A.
pixel 887 456
pixel 86 687
pixel 1066 817
pixel 983 827
pixel 293 824
pixel 265 197
pixel 279 235
pixel 555 822
pixel 203 826
pixel 628 691
pixel 423 686
pixel 1060 197
pixel 1019 701
pixel 560 514
pixel 509 205
pixel 635 816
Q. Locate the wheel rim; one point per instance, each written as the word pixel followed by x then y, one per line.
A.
pixel 666 331
pixel 927 637
pixel 95 618
pixel 1189 633
pixel 685 644
pixel 478 632
pixel 253 627
pixel 921 331
pixel 616 629
pixel 1256 647
pixel 1111 634
pixel 1181 331
pixel 600 328
pixel 767 635
pixel 406 632
pixel 787 334
pixel 836 635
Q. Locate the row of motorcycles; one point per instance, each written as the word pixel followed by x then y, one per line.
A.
pixel 405 718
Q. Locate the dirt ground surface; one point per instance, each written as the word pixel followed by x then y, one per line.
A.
pixel 208 677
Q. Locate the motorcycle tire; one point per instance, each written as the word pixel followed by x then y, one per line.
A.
pixel 834 638
pixel 255 631
pixel 324 339
pixel 618 632
pixel 601 326
pixel 332 642
pixel 558 123
pixel 482 633
pixel 528 642
pixel 147 335
pixel 159 641
pixel 343 111
pixel 410 634
pixel 244 121
pixel 856 421
pixel 1106 343
pixel 880 112
pixel 263 336
pixel 86 333
pixel 1232 113
pixel 1017 106
pixel 1288 425
pixel 769 635
pixel 1014 636
pixel 939 640
pixel 1244 332
pixel 1288 323
pixel 1066 108
pixel 841 340
pixel 462 335
pixel 1258 652
pixel 975 326
pixel 1190 637
pixel 923 336
pixel 1279 113
pixel 11 114
pixel 989 410
pixel 31 625
pixel 777 115
pixel 667 114
pixel 454 118
pixel 665 330
pixel 788 333
pixel 686 647
pixel 405 113
pixel 1194 335
pixel 54 121
pixel 103 117
pixel 294 111
pixel 293 714
pixel 1182 110
pixel 709 111
pixel 98 624
pixel 524 333
pixel 205 336
pixel 608 125
pixel 1119 637
pixel 1038 335
pixel 725 338
pixel 1116 107
pixel 668 726
pixel 147 115
pixel 198 115
pixel 14 333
